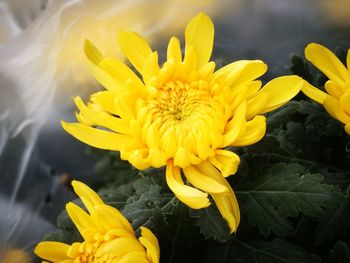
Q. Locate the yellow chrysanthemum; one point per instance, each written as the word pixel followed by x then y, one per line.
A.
pixel 107 234
pixel 182 115
pixel 337 101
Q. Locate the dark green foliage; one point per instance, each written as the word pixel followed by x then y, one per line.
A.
pixel 275 251
pixel 300 67
pixel 335 224
pixel 211 224
pixel 340 253
pixel 271 194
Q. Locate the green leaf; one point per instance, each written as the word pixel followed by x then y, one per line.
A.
pixel 269 195
pixel 300 67
pixel 340 253
pixel 335 224
pixel 148 202
pixel 304 133
pixel 276 251
pixel 211 223
pixel 111 171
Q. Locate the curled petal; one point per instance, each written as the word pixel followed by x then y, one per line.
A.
pixel 135 48
pixel 333 89
pixel 257 104
pixel 254 132
pixel 102 118
pixel 314 93
pixel 106 100
pixel 199 33
pixel 192 197
pixel 333 108
pixel 203 181
pixel 236 126
pixel 281 90
pixel 226 203
pixel 225 161
pixel 52 251
pixel 150 242
pixel 242 71
pixel 327 62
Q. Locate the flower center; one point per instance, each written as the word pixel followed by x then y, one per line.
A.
pixel 177 101
pixel 182 116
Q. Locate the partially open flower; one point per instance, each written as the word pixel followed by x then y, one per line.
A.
pixel 337 99
pixel 181 115
pixel 107 234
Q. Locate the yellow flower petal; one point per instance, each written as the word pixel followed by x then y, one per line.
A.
pixel 121 74
pixel 199 33
pixel 257 104
pixel 106 100
pixel 82 221
pixel 327 62
pixel 107 217
pixel 226 203
pixel 150 242
pixel 203 181
pixel 87 195
pixel 135 48
pixel 314 93
pixel 150 67
pixel 120 246
pixel 103 77
pixel 242 71
pixel 102 119
pixel 134 257
pixel 174 50
pixel 52 251
pixel 97 138
pixel 225 161
pixel 245 71
pixel 345 101
pixel 281 90
pixel 347 128
pixel 190 196
pixel 348 60
pixel 236 126
pixel 333 89
pixel 333 108
pixel 254 132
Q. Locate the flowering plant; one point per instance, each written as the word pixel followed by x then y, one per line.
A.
pixel 199 126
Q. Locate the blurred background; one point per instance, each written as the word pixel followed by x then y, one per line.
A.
pixel 42 67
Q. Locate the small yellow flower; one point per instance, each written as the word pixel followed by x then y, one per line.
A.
pixel 107 234
pixel 337 99
pixel 181 115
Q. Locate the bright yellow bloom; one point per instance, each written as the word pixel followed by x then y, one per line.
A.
pixel 108 236
pixel 337 101
pixel 181 115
